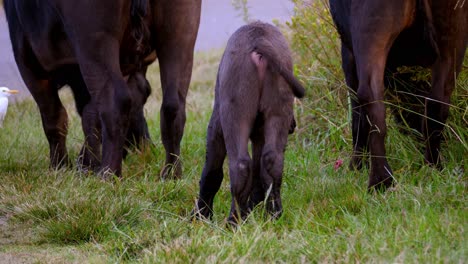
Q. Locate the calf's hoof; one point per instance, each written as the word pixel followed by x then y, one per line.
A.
pixel 201 213
pixel 233 222
pixel 275 210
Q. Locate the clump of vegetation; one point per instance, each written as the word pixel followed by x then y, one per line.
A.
pixel 316 41
pixel 324 113
pixel 242 7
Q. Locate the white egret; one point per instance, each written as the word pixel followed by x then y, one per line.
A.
pixel 4 93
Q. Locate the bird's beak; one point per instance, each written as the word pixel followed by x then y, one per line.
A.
pixel 13 91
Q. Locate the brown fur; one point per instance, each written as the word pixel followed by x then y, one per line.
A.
pixel 377 37
pixel 254 96
pixel 108 43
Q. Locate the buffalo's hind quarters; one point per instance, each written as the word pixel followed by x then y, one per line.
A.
pixel 254 96
pixel 377 37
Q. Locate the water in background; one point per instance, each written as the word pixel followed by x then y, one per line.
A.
pixel 9 75
pixel 219 20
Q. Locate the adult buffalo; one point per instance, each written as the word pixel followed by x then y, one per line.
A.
pixel 137 134
pixel 107 40
pixel 377 36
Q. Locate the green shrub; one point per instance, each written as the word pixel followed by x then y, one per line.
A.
pixel 323 116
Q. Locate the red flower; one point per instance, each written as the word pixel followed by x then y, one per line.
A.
pixel 338 164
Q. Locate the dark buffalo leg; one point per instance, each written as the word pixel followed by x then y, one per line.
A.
pixel 109 91
pixel 236 131
pixel 371 51
pixel 90 153
pixel 175 86
pixel 138 135
pixel 175 52
pixel 371 98
pixel 212 174
pixel 272 162
pixel 53 114
pixel 452 42
pixel 437 107
pixel 96 46
pixel 410 94
pixel 258 141
pixel 360 126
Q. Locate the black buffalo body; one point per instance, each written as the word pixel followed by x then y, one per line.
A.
pixel 102 46
pixel 377 37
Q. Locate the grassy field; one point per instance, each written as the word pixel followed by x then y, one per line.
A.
pixel 63 216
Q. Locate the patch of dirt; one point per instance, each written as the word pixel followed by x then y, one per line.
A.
pixel 3 220
pixel 7 237
pixel 7 258
pixel 41 256
pixel 12 234
pixel 17 245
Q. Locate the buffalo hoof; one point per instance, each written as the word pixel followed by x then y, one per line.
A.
pixel 382 181
pixel 357 162
pixel 432 162
pixel 87 167
pixel 108 175
pixel 172 171
pixel 60 163
pixel 275 212
pixel 437 165
pixel 233 222
pixel 202 214
pixel 84 170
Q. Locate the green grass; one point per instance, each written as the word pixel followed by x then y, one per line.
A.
pixel 63 216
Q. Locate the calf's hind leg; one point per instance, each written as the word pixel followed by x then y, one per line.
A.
pixel 212 174
pixel 236 134
pixel 272 162
pixel 258 193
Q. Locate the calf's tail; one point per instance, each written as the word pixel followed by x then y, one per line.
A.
pixel 266 49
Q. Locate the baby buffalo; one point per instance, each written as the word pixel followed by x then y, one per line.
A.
pixel 254 97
